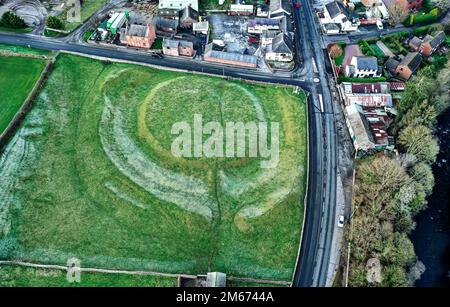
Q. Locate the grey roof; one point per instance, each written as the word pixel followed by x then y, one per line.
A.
pixel 270 34
pixel 366 63
pixel 412 60
pixel 391 65
pixel 333 9
pixel 188 12
pixel 170 43
pixel 230 56
pixel 281 44
pixel 415 41
pixel 263 21
pixel 438 40
pixel 166 23
pixel 136 30
pixel 186 44
pixel 279 4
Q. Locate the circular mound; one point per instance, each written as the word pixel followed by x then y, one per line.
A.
pixel 31 11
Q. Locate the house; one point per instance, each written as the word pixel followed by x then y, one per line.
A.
pixel 363 67
pixel 368 128
pixel 241 9
pixel 280 50
pixel 334 13
pixel 178 47
pixel 201 27
pixel 169 13
pixel 259 25
pixel 431 44
pixel 166 25
pixel 138 36
pixel 188 16
pixel 279 8
pixel 229 58
pixel 262 10
pixel 267 37
pixel 178 4
pixel 391 66
pixel 408 65
pixel 367 94
pixel 415 43
pixel 331 28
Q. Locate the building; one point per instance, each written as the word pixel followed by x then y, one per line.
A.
pixel 334 13
pixel 169 13
pixel 406 67
pixel 178 4
pixel 267 37
pixel 279 8
pixel 201 27
pixel 178 47
pixel 431 44
pixel 116 22
pixel 241 9
pixel 138 36
pixel 169 26
pixel 363 67
pixel 414 43
pixel 262 10
pixel 280 50
pixel 188 16
pixel 259 25
pixel 229 58
pixel 367 94
pixel 368 128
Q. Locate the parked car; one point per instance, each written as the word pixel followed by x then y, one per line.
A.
pixel 341 221
pixel 297 5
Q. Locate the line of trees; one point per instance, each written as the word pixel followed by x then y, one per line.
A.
pixel 391 190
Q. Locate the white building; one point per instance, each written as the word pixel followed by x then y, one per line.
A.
pixel 278 8
pixel 334 14
pixel 201 27
pixel 260 25
pixel 363 67
pixel 280 50
pixel 178 4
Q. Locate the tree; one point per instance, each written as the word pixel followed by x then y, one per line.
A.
pixel 11 20
pixel 398 11
pixel 419 141
pixel 395 276
pixel 419 88
pixel 423 175
pixel 54 22
pixel 443 82
pixel 335 51
pixel 443 5
pixel 416 271
pixel 422 113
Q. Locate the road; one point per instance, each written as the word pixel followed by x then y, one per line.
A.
pixel 314 259
pixel 313 262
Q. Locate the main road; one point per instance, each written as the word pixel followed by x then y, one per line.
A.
pixel 316 243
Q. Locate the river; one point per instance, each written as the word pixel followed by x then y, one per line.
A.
pixel 431 237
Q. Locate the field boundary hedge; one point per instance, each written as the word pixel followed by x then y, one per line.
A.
pixel 26 106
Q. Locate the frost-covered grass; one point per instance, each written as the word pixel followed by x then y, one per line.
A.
pixel 17 77
pixel 16 276
pixel 104 187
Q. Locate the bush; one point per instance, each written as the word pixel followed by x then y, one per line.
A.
pixel 11 20
pixel 420 31
pixel 418 19
pixel 7 246
pixel 54 23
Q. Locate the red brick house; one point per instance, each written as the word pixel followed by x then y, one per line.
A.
pixel 431 44
pixel 138 36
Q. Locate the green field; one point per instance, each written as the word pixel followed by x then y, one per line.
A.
pixel 17 77
pixel 91 175
pixel 16 276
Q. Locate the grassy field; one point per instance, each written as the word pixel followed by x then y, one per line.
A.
pixel 23 50
pixel 90 174
pixel 16 276
pixel 17 78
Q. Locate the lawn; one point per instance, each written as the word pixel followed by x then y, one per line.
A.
pixel 88 8
pixel 17 78
pixel 23 50
pixel 16 276
pixel 90 174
